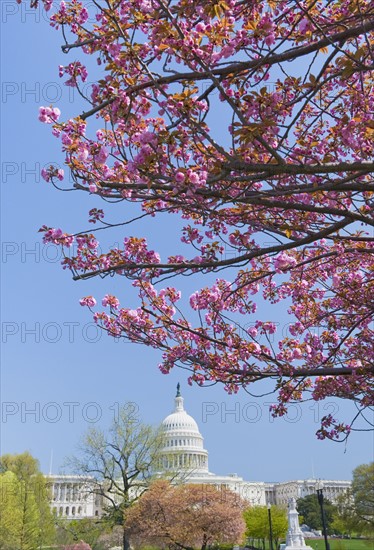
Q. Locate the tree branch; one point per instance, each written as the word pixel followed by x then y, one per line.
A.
pixel 237 68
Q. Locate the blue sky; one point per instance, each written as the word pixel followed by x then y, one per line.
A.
pixel 59 375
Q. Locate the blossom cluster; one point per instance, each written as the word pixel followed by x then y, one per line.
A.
pixel 201 111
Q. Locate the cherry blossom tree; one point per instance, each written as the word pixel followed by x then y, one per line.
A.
pixel 186 516
pixel 252 124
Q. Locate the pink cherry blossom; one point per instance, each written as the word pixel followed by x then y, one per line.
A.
pixel 49 115
pixel 251 125
pixel 88 301
pixel 102 155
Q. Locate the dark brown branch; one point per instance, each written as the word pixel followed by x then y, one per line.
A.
pixel 223 263
pixel 330 371
pixel 67 47
pixel 283 205
pixel 237 68
pixel 295 169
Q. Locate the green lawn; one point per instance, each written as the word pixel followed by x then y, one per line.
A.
pixel 341 544
pixel 338 544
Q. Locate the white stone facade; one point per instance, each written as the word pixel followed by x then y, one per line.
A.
pixel 183 452
pixel 281 493
pixel 73 497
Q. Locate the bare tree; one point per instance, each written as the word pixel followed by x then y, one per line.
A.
pixel 121 461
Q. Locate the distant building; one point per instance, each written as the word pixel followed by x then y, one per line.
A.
pixel 280 493
pixel 74 497
pixel 183 452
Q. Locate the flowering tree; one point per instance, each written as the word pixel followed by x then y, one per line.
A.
pixel 186 516
pixel 252 122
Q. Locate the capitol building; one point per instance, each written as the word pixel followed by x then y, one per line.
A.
pixel 183 451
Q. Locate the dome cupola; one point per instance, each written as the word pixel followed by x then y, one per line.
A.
pixel 183 444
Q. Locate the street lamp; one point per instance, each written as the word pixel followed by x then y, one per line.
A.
pixel 319 489
pixel 270 527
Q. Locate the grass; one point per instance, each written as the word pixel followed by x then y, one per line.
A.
pixel 338 544
pixel 341 544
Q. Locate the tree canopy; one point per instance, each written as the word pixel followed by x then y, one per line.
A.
pixel 10 511
pixel 257 523
pixel 252 124
pixel 363 493
pixel 78 546
pixel 355 508
pixel 186 516
pixel 74 531
pixel 309 508
pixel 26 519
pixel 346 521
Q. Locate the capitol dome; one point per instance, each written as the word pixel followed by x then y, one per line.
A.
pixel 183 442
